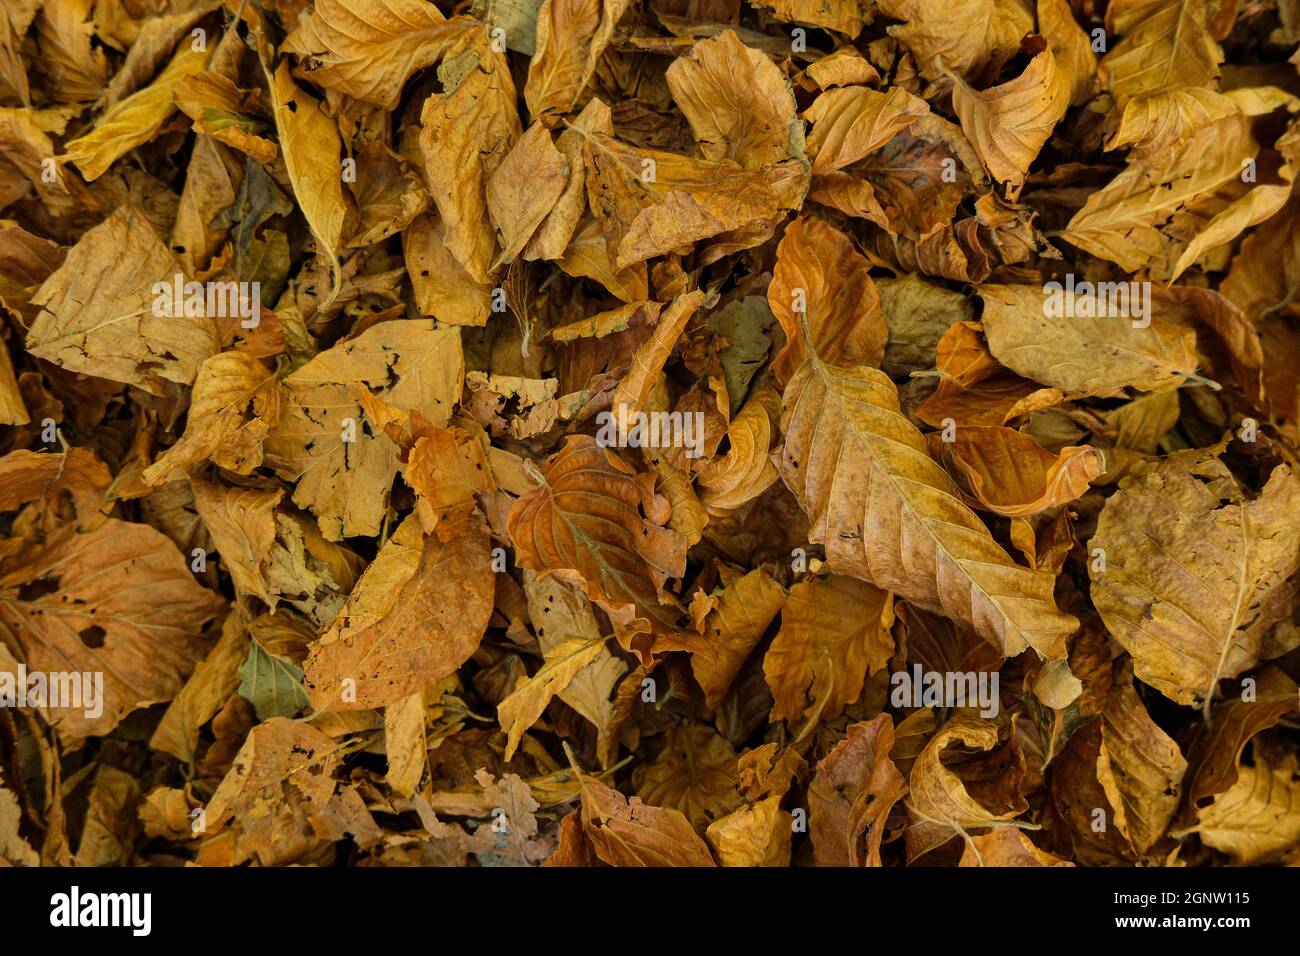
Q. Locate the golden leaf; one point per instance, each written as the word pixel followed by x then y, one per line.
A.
pixel 526 703
pixel 1070 46
pixel 852 122
pixel 843 16
pixel 370 49
pixel 343 474
pixel 694 775
pixel 97 311
pixel 242 524
pixel 1009 123
pixel 134 120
pixel 561 615
pixel 1007 846
pixel 739 105
pixel 1156 126
pixel 968 38
pixel 1166 44
pixel 752 835
pixel 571 37
pixel 524 189
pixel 234 405
pixel 1143 217
pixel 214 679
pixel 903 526
pixel 1085 353
pixel 1258 815
pixel 746 471
pixel 466 132
pixel 1140 768
pixel 940 803
pixel 732 629
pixel 312 148
pixel 1195 573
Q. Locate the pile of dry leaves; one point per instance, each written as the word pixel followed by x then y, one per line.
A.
pixel 836 432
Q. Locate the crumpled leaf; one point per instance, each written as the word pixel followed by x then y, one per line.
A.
pixel 1009 123
pixel 1008 472
pixel 851 795
pixel 834 632
pixel 341 472
pixel 415 616
pixel 1196 571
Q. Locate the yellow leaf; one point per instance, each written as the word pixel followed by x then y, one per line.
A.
pixel 312 147
pixel 1259 815
pixel 134 120
pixel 887 513
pixel 1085 353
pixel 752 835
pixel 1195 573
pixel 571 37
pixel 98 316
pixel 526 703
pixel 369 49
pixel 1009 123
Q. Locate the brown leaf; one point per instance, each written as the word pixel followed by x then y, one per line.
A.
pixel 585 521
pixel 118 601
pixel 1008 472
pixel 851 795
pixel 834 632
pixel 627 832
pixel 415 616
pixel 821 280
